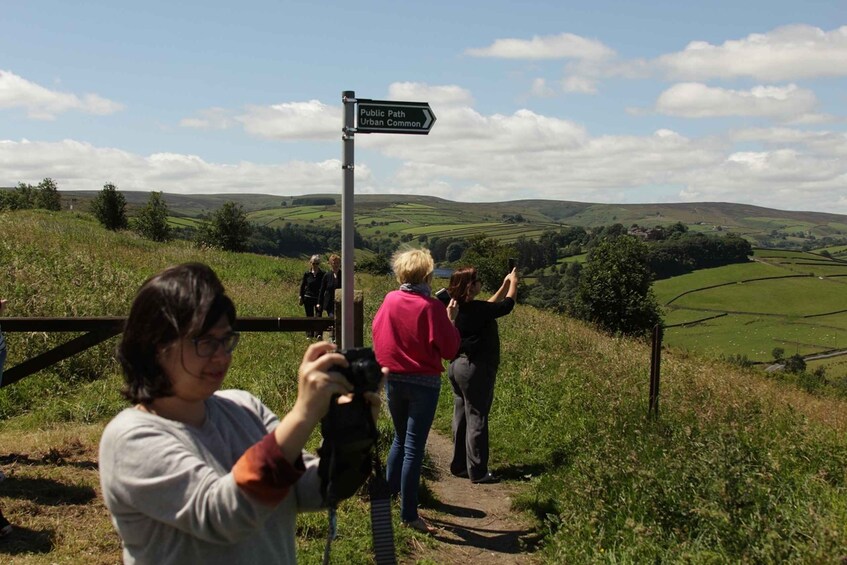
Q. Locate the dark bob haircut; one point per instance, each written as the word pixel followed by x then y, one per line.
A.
pixel 181 301
pixel 461 282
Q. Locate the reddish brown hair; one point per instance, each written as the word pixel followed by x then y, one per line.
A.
pixel 461 283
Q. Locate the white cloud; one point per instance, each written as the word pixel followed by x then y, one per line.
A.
pixel 822 143
pixel 470 156
pixel 293 120
pixel 562 46
pixel 696 100
pixel 210 119
pixel 82 166
pixel 787 53
pixel 44 104
pixel 539 88
pixel 580 84
pixel 436 95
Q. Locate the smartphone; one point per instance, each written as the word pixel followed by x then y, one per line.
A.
pixel 512 263
pixel 443 296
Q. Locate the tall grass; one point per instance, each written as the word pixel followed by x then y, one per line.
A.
pixel 737 468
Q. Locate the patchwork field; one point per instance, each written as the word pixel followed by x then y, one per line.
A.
pixel 792 300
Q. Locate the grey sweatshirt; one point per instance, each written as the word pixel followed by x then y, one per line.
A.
pixel 172 496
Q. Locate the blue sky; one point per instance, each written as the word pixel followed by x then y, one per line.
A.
pixel 600 101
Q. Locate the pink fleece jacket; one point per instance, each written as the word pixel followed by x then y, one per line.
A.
pixel 412 334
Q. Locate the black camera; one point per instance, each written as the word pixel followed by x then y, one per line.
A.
pixel 363 371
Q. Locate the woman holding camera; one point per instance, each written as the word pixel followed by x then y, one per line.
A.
pixel 195 474
pixel 473 372
pixel 412 333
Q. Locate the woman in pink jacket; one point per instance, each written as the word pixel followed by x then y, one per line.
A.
pixel 412 333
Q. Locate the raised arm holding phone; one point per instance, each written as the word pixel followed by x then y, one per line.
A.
pixel 473 372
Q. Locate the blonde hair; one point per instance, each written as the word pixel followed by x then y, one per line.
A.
pixel 333 257
pixel 412 266
pixel 315 259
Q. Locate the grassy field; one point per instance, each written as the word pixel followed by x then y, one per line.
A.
pixel 738 468
pixel 799 312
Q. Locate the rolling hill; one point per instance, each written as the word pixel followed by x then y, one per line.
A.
pixel 418 215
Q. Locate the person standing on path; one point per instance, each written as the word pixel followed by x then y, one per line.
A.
pixel 310 288
pixel 412 333
pixel 472 374
pixel 329 284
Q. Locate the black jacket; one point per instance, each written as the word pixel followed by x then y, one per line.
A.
pixel 310 286
pixel 326 296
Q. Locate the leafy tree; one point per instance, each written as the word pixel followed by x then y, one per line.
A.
pixel 795 364
pixel 152 221
pixel 227 229
pixel 455 250
pixel 47 195
pixel 778 354
pixel 490 259
pixel 21 198
pixel 377 264
pixel 614 288
pixel 109 207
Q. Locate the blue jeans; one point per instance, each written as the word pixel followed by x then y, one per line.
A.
pixel 412 410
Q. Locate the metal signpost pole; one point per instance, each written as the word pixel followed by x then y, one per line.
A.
pixel 374 116
pixel 348 97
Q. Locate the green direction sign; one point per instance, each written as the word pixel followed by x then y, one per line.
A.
pixel 391 116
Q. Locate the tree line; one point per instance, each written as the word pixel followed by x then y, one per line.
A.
pixel 611 289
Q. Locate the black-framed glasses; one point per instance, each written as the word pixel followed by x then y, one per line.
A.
pixel 207 346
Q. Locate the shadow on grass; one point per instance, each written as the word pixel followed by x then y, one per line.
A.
pixel 25 541
pixel 521 472
pixel 54 458
pixel 459 511
pixel 498 541
pixel 47 491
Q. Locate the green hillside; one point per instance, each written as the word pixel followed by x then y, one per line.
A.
pixel 419 215
pixel 792 300
pixel 738 467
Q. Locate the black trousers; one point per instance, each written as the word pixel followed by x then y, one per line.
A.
pixel 309 304
pixel 473 394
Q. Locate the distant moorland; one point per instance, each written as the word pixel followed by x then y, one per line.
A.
pixel 414 216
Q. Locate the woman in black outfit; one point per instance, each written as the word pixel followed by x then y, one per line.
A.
pixel 473 372
pixel 310 288
pixel 331 281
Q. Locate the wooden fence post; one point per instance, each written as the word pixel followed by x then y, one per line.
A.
pixel 358 317
pixel 655 365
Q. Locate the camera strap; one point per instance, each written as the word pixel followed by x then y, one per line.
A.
pixel 340 458
pixel 381 528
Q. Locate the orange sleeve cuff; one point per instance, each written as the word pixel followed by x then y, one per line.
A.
pixel 264 473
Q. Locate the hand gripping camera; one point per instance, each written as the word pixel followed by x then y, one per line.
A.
pixel 348 430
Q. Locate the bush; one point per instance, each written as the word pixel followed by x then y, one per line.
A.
pixel 614 288
pixel 228 229
pixel 152 221
pixel 109 207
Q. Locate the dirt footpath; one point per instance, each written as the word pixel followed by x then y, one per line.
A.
pixel 475 522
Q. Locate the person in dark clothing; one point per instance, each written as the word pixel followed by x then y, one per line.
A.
pixel 330 282
pixel 473 372
pixel 310 288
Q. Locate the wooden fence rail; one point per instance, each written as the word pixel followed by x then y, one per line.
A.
pixel 99 329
